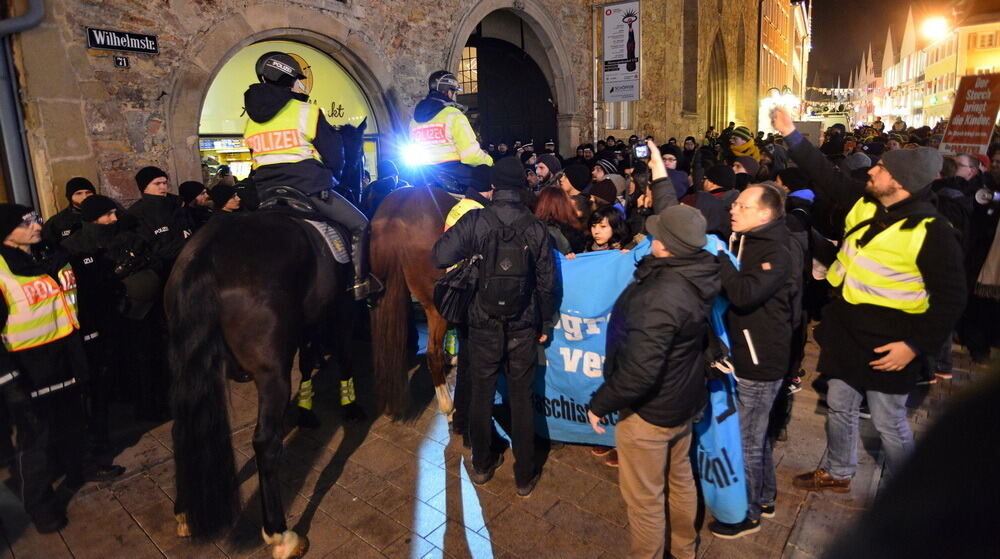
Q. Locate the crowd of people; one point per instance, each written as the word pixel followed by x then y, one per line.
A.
pixel 886 245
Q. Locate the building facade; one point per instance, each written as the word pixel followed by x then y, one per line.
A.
pixel 87 112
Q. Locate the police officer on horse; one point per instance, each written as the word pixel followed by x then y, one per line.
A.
pixel 293 145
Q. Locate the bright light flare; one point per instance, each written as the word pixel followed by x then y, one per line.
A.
pixel 415 155
pixel 935 28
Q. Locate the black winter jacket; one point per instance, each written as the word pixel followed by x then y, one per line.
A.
pixel 761 293
pixel 655 362
pixel 263 101
pixel 61 226
pixel 163 224
pixel 850 333
pixel 465 239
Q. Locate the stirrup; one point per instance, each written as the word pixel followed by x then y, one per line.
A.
pixel 367 288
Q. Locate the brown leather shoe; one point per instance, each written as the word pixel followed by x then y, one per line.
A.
pixel 819 480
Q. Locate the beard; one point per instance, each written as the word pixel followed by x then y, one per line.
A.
pixel 878 192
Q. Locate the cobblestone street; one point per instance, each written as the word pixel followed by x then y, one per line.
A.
pixel 401 490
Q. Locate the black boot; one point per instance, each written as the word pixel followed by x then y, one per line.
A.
pixel 365 284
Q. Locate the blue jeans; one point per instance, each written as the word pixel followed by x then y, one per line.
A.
pixel 888 416
pixel 756 399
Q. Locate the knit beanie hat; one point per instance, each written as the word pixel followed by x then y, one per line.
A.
pixel 743 132
pixel 480 179
pixel 95 206
pixel 749 164
pixel 680 228
pixel 620 183
pixel 221 193
pixel 11 216
pixel 147 175
pixel 605 190
pixel 608 166
pixel 857 161
pixel 913 168
pixel 189 190
pixel 578 175
pixel 508 173
pixel 550 161
pixel 78 183
pixel 794 178
pixel 721 175
pixel 386 168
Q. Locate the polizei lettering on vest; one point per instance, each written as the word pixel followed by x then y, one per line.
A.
pixel 273 140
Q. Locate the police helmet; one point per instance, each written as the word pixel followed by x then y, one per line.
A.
pixel 278 68
pixel 443 81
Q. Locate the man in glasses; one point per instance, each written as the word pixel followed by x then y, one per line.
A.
pixel 42 364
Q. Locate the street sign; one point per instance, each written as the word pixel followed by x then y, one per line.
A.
pixel 121 61
pixel 121 40
pixel 973 116
pixel 622 45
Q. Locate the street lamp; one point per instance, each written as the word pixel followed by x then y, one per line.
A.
pixel 935 28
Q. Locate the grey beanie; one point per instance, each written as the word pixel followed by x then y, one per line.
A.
pixel 680 228
pixel 857 161
pixel 913 168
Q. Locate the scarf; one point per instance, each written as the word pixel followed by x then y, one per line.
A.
pixel 749 148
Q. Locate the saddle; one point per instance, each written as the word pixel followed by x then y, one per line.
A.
pixel 293 203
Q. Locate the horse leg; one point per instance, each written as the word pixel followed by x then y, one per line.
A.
pixel 352 410
pixel 437 326
pixel 274 389
pixel 309 361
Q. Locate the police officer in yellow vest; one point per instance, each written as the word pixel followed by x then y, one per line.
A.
pixel 899 290
pixel 441 133
pixel 293 145
pixel 42 364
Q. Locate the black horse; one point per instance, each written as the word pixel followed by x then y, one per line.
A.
pixel 247 293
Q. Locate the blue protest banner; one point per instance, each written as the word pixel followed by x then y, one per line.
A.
pixel 573 363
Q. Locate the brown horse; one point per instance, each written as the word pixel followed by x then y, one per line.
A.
pixel 404 230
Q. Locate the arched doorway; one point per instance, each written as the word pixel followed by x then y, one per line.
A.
pixel 530 28
pixel 718 86
pixel 220 129
pixel 512 99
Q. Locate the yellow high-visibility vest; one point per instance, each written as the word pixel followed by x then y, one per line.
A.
pixel 39 309
pixel 464 206
pixel 286 138
pixel 884 272
pixel 448 137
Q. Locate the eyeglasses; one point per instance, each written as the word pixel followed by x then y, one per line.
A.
pixel 965 165
pixel 670 159
pixel 744 207
pixel 30 219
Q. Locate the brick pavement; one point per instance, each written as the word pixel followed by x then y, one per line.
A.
pixel 401 490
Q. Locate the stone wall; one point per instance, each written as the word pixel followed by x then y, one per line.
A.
pixel 86 117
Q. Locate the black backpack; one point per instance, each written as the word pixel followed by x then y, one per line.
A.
pixel 507 267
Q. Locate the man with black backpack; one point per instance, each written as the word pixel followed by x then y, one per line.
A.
pixel 511 311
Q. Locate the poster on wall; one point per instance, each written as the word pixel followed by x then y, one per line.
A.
pixel 973 116
pixel 622 45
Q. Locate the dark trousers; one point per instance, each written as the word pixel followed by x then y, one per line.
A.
pixel 49 442
pixel 463 384
pixel 493 349
pixel 97 389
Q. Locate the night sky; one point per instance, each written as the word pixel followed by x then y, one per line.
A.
pixel 842 30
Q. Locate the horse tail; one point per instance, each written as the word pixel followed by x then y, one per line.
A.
pixel 390 330
pixel 207 488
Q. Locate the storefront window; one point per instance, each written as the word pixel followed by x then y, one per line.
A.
pixel 331 87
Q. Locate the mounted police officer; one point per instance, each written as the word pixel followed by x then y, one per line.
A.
pixel 442 133
pixel 293 145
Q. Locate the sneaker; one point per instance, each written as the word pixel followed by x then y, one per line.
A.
pixel 767 511
pixel 943 375
pixel 479 478
pixel 818 480
pixel 524 491
pixel 794 385
pixel 864 412
pixel 926 381
pixel 612 459
pixel 600 450
pixel 733 531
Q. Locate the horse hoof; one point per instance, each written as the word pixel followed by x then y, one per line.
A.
pixel 307 419
pixel 183 530
pixel 353 413
pixel 286 545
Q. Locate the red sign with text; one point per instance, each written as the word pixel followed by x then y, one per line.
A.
pixel 973 116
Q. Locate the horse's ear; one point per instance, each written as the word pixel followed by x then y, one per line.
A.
pixel 363 126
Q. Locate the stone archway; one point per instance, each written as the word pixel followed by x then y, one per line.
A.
pixel 220 42
pixel 570 121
